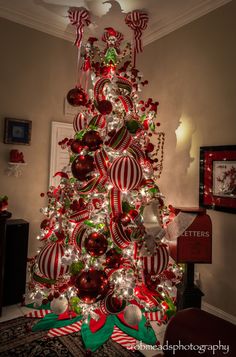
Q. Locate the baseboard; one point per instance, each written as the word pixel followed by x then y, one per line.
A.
pixel 218 312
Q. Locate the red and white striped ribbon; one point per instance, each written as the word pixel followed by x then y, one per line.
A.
pixel 116 201
pixel 38 313
pixel 123 339
pixel 118 235
pixel 101 161
pixel 79 18
pixel 137 21
pixel 77 235
pixel 66 330
pixel 154 316
pixel 80 216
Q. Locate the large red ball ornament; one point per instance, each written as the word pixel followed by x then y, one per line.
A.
pixel 125 173
pixel 82 166
pixel 92 139
pixel 104 107
pixel 77 97
pixel 49 261
pixel 92 286
pixel 96 244
pixel 76 146
pixel 113 258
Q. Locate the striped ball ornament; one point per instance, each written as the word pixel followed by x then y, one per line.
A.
pixel 80 122
pixel 125 173
pixel 156 263
pixel 49 261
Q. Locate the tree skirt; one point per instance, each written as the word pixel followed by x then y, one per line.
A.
pixel 18 340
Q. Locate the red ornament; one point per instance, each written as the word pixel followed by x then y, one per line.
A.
pixel 77 97
pixel 92 140
pixel 82 166
pixel 92 286
pixel 125 219
pixel 114 305
pixel 104 107
pixel 76 146
pixel 113 258
pixel 149 147
pixel 125 173
pixel 96 244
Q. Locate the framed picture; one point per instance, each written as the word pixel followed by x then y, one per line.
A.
pixel 17 131
pixel 218 178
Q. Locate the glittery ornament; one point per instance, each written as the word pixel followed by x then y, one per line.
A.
pixel 132 314
pixel 77 97
pixel 59 305
pixel 96 244
pixel 92 140
pixel 104 107
pixel 92 285
pixel 82 166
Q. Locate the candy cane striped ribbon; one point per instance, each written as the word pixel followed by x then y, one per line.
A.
pixel 98 121
pixel 38 313
pixel 154 316
pixel 93 184
pixel 66 330
pixel 126 101
pixel 123 339
pixel 79 216
pixel 115 201
pixel 136 151
pixel 137 21
pixel 98 88
pixel 101 161
pixel 119 236
pixel 79 18
pixel 77 235
pixel 121 140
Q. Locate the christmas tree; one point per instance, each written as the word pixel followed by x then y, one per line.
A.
pixel 101 269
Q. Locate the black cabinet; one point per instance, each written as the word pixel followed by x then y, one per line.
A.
pixel 15 261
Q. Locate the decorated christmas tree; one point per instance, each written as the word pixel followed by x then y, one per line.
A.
pixel 103 267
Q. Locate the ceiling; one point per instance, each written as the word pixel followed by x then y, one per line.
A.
pixel 50 16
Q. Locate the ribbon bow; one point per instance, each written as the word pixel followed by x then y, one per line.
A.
pixel 137 21
pixel 79 18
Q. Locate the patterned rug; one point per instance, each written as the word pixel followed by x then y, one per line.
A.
pixel 17 339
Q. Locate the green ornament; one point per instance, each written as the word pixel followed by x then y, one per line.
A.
pixel 76 267
pixel 132 126
pixel 74 301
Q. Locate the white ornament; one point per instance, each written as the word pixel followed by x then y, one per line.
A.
pixel 132 314
pixel 59 305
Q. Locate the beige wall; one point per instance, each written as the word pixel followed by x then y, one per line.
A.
pixel 192 74
pixel 36 72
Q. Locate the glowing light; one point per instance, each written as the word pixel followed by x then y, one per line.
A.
pixel 184 132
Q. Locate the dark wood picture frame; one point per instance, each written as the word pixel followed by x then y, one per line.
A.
pixel 17 131
pixel 218 178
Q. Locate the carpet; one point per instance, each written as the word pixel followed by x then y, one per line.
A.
pixel 17 339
